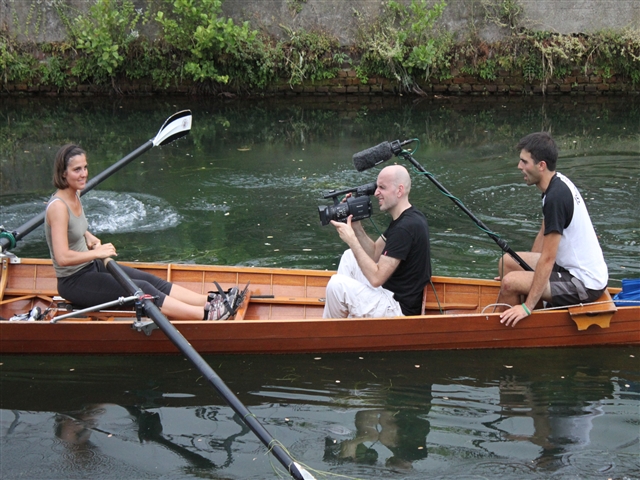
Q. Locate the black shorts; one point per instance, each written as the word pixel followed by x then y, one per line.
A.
pixel 568 290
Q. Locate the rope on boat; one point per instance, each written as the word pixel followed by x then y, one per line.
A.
pixel 565 307
pixel 494 305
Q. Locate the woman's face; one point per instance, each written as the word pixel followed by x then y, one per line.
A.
pixel 77 172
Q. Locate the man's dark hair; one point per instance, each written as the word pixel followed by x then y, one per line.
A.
pixel 542 147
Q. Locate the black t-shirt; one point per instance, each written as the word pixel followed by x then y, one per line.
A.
pixel 408 241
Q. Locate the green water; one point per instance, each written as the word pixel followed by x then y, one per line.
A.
pixel 244 187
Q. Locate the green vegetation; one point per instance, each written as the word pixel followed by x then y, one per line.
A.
pixel 544 56
pixel 295 6
pixel 405 44
pixel 190 43
pixel 104 36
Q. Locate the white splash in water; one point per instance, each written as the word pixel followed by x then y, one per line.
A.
pixel 114 212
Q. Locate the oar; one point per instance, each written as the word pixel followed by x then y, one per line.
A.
pixel 174 127
pixel 154 313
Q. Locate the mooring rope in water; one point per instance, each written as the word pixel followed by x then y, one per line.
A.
pixel 319 473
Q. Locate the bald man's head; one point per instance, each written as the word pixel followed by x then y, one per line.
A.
pixel 397 175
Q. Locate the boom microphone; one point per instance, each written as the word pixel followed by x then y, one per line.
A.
pixel 373 156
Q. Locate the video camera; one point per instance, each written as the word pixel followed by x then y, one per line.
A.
pixel 358 205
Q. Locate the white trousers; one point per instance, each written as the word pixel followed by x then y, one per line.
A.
pixel 349 294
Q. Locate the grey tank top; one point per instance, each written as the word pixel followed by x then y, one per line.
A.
pixel 78 225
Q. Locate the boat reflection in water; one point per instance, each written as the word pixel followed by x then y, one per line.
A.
pixel 553 421
pixel 480 413
pixel 394 436
pixel 546 426
pixel 75 428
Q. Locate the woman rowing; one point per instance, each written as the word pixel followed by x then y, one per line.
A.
pixel 77 254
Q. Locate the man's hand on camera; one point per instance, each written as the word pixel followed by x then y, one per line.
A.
pixel 356 225
pixel 346 232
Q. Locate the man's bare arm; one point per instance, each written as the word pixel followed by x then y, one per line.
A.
pixel 365 240
pixel 539 241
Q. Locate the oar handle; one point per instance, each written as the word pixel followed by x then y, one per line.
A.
pixel 499 241
pixel 153 312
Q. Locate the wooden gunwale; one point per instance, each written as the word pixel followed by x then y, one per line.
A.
pixel 291 321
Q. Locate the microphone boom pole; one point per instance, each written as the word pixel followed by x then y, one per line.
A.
pixel 499 241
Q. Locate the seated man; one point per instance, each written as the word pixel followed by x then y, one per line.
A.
pixel 384 278
pixel 568 264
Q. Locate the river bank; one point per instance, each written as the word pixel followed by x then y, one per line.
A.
pixel 311 47
pixel 507 83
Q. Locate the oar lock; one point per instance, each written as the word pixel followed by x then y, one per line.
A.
pixel 10 236
pixel 144 326
pixel 140 312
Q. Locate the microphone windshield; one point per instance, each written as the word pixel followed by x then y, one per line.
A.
pixel 372 156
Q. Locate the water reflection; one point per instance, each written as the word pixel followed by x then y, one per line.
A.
pixel 508 414
pixel 75 429
pixel 243 188
pixel 394 436
pixel 559 425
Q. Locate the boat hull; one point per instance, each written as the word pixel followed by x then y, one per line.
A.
pixel 290 321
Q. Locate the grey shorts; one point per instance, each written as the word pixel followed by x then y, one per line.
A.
pixel 568 290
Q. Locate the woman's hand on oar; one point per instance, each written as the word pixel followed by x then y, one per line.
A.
pixel 105 251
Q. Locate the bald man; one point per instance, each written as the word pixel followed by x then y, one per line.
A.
pixel 385 277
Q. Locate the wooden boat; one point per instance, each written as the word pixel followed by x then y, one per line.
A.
pixel 283 314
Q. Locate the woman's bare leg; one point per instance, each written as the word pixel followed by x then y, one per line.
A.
pixel 187 296
pixel 176 309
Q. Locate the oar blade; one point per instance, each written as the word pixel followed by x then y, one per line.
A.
pixel 176 126
pixel 305 474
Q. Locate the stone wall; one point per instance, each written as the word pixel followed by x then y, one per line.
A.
pixel 507 83
pixel 341 18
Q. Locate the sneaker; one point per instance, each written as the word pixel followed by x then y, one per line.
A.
pixel 216 309
pixel 232 299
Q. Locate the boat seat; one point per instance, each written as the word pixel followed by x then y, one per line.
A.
pixel 274 301
pixel 29 296
pixel 290 300
pixel 595 313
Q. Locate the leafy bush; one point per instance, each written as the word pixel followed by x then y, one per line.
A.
pixel 200 36
pixel 404 44
pixel 104 35
pixel 310 55
pixel 16 66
